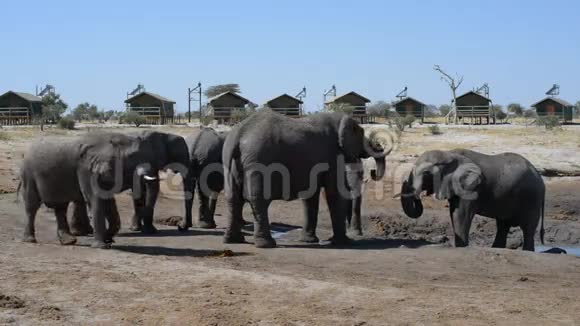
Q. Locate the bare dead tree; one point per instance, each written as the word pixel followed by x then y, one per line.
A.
pixel 454 84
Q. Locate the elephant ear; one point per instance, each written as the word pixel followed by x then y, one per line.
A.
pixel 98 158
pixel 463 182
pixel 350 138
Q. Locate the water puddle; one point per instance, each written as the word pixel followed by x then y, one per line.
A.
pixel 278 230
pixel 569 250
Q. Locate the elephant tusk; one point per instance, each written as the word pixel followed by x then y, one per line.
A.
pixel 397 195
pixel 148 178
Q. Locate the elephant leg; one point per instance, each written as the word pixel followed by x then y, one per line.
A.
pixel 187 222
pixel 262 235
pixel 233 232
pixel 99 209
pixel 462 213
pixel 336 206
pixel 31 205
pixel 311 206
pixel 63 231
pixel 356 225
pixel 136 220
pixel 212 204
pixel 80 222
pixel 206 220
pixel 349 205
pixel 528 237
pixel 149 208
pixel 114 221
pixel 503 228
pixel 528 222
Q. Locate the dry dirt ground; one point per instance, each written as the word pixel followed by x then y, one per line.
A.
pixel 401 272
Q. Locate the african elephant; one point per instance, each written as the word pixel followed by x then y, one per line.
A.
pixel 89 169
pixel 270 157
pixel 379 139
pixel 168 151
pixel 205 153
pixel 506 187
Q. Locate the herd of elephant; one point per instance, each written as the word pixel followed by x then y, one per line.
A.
pixel 264 158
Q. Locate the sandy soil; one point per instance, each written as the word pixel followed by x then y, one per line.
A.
pixel 400 272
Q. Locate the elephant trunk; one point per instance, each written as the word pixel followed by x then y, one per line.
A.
pixel 188 189
pixel 378 145
pixel 380 171
pixel 179 154
pixel 410 200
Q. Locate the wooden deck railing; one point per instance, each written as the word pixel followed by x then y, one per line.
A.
pixel 291 112
pixel 152 114
pixel 15 116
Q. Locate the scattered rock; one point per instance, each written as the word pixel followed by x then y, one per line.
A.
pixel 523 279
pixel 11 302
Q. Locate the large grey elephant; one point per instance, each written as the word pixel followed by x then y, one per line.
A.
pixel 205 152
pixel 89 169
pixel 506 187
pixel 270 157
pixel 168 152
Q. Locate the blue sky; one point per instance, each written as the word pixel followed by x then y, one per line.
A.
pixel 97 51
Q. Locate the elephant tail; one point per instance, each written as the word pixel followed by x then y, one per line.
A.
pixel 233 171
pixel 542 226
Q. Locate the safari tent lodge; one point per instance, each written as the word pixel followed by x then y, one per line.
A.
pixel 354 101
pixel 473 108
pixel 286 105
pixel 556 107
pixel 155 108
pixel 223 105
pixel 17 108
pixel 410 106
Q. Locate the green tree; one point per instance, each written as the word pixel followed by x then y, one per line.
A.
pixel 86 111
pixel 222 88
pixel 132 117
pixel 516 109
pixel 53 107
pixel 444 109
pixel 498 112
